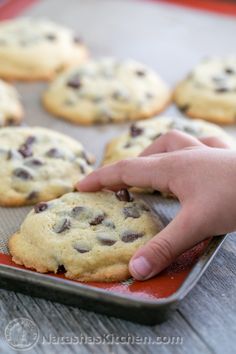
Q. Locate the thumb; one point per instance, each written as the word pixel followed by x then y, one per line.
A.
pixel 181 234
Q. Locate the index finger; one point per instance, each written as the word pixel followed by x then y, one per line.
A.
pixel 138 172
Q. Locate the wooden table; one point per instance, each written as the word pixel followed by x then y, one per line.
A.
pixel 171 40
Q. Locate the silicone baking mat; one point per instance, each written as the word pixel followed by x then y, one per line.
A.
pixel 164 41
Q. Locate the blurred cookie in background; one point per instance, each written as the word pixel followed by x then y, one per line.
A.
pixel 37 49
pixel 38 164
pixel 141 134
pixel 11 111
pixel 209 91
pixel 107 90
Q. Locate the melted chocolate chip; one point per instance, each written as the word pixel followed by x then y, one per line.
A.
pixel 97 220
pixel 77 39
pixel 30 140
pixel 11 121
pixel 61 269
pixel 106 240
pixel 51 36
pixel 184 108
pixel 62 226
pixel 131 212
pixel 124 196
pixel 22 174
pixel 81 248
pixel 135 131
pixel 33 195
pixel 54 153
pixel 140 72
pixel 221 89
pixel 149 95
pixel 82 169
pixel 77 210
pixel 127 145
pixel 40 207
pixel 86 157
pixel 131 236
pixel 74 82
pixel 34 163
pixel 26 149
pixel 229 71
pixel 154 137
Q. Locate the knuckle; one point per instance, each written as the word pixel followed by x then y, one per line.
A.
pixel 161 248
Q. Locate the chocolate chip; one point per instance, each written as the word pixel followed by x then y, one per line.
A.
pixel 30 140
pixel 149 95
pixel 62 226
pixel 77 210
pixel 51 36
pixel 140 72
pixel 119 95
pixel 97 220
pixel 106 240
pixel 74 82
pixel 127 145
pixel 135 130
pixel 34 163
pixel 86 157
pixel 124 196
pixel 221 89
pixel 77 39
pixel 61 269
pixel 131 212
pixel 82 169
pixel 81 248
pixel 144 206
pixel 22 174
pixel 229 71
pixel 131 236
pixel 54 153
pixel 26 148
pixel 33 195
pixel 154 137
pixel 40 207
pixel 184 108
pixel 11 121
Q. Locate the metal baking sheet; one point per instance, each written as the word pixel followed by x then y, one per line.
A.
pixel 162 37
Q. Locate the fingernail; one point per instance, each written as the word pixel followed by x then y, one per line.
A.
pixel 140 268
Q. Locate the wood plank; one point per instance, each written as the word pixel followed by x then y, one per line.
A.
pixel 59 320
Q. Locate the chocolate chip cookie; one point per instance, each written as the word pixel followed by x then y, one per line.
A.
pixel 35 49
pixel 11 110
pixel 141 134
pixel 209 91
pixel 87 236
pixel 38 164
pixel 106 90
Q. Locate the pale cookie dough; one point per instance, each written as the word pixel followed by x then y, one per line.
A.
pixel 87 236
pixel 37 49
pixel 107 90
pixel 209 91
pixel 11 110
pixel 38 164
pixel 142 134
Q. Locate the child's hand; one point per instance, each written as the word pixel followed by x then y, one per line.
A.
pixel 202 174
